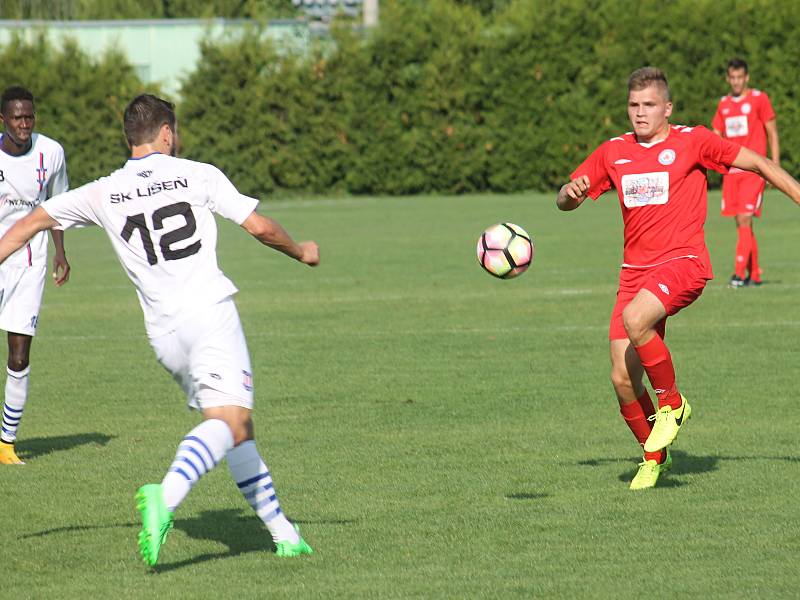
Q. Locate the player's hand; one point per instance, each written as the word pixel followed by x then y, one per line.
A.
pixel 310 254
pixel 577 188
pixel 572 194
pixel 61 270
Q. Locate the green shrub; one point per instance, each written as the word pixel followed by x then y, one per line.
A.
pixel 79 101
pixel 449 96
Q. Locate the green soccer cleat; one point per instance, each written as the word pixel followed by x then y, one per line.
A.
pixel 288 549
pixel 649 472
pixel 668 423
pixel 156 521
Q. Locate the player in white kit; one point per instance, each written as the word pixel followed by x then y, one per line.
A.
pixel 32 169
pixel 158 212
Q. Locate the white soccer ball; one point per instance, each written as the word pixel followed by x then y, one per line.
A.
pixel 505 250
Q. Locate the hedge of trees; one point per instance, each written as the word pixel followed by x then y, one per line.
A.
pixel 144 9
pixel 79 100
pixel 455 99
pixel 448 96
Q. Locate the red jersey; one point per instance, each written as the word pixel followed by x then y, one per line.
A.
pixel 741 119
pixel 662 191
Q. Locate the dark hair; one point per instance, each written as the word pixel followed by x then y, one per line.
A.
pixel 647 76
pixel 14 93
pixel 144 117
pixel 736 64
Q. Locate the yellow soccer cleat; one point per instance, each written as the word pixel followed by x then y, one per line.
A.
pixel 7 454
pixel 668 423
pixel 649 472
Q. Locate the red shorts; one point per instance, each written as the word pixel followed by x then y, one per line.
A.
pixel 676 283
pixel 742 194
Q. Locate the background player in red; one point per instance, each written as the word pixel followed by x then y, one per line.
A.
pixel 659 172
pixel 745 116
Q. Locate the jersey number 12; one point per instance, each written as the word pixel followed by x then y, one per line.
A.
pixel 184 209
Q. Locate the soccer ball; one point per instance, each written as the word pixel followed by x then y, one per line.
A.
pixel 505 250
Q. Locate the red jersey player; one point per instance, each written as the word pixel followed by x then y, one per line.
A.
pixel 745 116
pixel 659 172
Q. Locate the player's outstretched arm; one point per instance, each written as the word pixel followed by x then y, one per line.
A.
pixel 572 194
pixel 23 230
pixel 271 234
pixel 769 170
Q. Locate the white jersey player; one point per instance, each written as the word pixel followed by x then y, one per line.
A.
pixel 158 211
pixel 32 169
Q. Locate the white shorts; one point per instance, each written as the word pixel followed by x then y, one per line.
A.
pixel 208 349
pixel 21 298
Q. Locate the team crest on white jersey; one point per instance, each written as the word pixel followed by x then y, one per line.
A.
pixel 667 157
pixel 746 108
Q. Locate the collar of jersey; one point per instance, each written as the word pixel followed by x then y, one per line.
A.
pixel 651 144
pixel 740 98
pixel 30 150
pixel 145 156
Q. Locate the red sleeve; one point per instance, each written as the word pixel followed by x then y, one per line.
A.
pixel 718 123
pixel 767 113
pixel 714 152
pixel 594 167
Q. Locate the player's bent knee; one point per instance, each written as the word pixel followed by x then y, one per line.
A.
pixel 634 322
pixel 219 405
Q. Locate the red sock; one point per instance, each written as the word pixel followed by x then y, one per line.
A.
pixel 635 415
pixel 657 362
pixel 755 270
pixel 744 246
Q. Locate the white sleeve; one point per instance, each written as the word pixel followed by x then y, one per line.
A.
pixel 58 183
pixel 75 208
pixel 225 200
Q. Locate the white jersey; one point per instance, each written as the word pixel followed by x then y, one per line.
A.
pixel 25 182
pixel 158 213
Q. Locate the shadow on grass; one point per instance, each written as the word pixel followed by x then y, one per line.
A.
pixel 241 533
pixel 526 496
pixel 684 464
pixel 76 528
pixel 42 446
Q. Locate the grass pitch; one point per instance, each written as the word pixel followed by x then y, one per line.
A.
pixel 436 432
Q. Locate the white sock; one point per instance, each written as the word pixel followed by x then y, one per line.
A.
pixel 16 396
pixel 254 481
pixel 199 452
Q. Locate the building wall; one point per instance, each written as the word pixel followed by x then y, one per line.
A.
pixel 161 51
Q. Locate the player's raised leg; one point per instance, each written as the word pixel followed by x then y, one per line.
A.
pixel 636 408
pixel 640 318
pixel 16 395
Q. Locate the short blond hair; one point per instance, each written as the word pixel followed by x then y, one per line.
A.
pixel 647 76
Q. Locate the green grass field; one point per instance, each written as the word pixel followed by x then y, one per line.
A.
pixel 437 433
